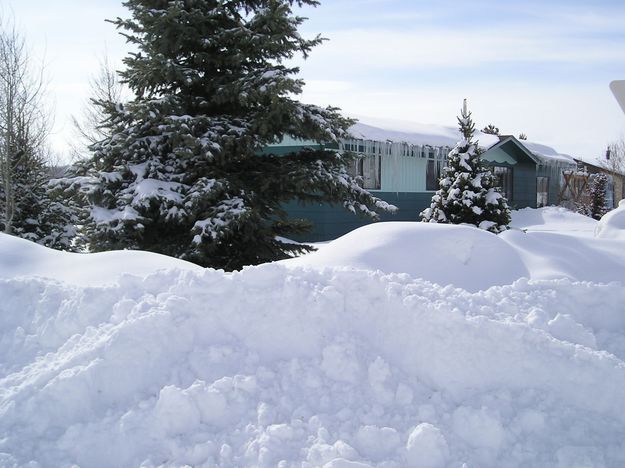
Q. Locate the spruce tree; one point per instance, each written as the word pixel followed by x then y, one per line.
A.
pixel 182 172
pixel 598 205
pixel 490 129
pixel 468 192
pixel 35 213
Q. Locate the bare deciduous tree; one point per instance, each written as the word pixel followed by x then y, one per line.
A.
pixel 25 125
pixel 90 127
pixel 614 163
pixel 615 156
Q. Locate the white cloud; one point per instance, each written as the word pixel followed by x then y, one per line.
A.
pixel 366 49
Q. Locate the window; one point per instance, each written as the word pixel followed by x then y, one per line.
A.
pixel 367 167
pixel 433 173
pixel 503 179
pixel 542 191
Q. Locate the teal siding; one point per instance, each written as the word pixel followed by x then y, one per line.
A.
pixel 333 221
pixel 523 186
pixel 402 184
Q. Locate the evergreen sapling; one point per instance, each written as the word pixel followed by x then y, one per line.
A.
pixel 468 192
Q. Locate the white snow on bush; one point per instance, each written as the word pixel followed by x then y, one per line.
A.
pixel 335 367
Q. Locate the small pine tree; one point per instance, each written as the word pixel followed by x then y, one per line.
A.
pixel 490 129
pixel 467 192
pixel 181 171
pixel 522 136
pixel 597 206
pixel 37 214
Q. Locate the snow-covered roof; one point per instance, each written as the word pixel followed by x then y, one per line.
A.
pixel 427 135
pixel 439 135
pixel 547 154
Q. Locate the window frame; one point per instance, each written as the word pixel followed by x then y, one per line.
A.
pixel 357 169
pixel 542 196
pixel 506 184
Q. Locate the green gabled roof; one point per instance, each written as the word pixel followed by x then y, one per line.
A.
pixel 505 141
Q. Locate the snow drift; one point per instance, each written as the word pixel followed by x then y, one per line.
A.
pixel 442 253
pixel 310 366
pixel 612 224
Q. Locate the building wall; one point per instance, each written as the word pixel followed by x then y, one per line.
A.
pixel 403 184
pixel 554 172
pixel 523 186
pixel 403 174
pixel 619 188
pixel 334 221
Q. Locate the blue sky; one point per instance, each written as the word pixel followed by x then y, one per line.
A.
pixel 538 67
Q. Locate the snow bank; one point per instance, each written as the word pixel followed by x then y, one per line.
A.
pixel 557 244
pixel 463 256
pixel 19 257
pixel 553 219
pixel 285 367
pixel 612 224
pixel 321 363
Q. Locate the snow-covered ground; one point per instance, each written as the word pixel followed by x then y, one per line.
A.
pixel 349 357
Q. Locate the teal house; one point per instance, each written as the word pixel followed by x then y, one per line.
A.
pixel 403 168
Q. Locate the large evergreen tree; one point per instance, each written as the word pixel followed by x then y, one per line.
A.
pixel 468 192
pixel 182 172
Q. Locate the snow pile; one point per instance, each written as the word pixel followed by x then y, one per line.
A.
pixel 612 224
pixel 553 219
pixel 19 257
pixel 276 367
pixel 464 256
pixel 558 244
pixel 317 366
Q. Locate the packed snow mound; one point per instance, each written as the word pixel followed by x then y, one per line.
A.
pixel 612 224
pixel 545 243
pixel 553 218
pixel 463 256
pixel 552 255
pixel 281 367
pixel 284 365
pixel 19 257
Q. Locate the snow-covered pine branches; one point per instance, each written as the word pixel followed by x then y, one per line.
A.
pixel 468 192
pixel 181 170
